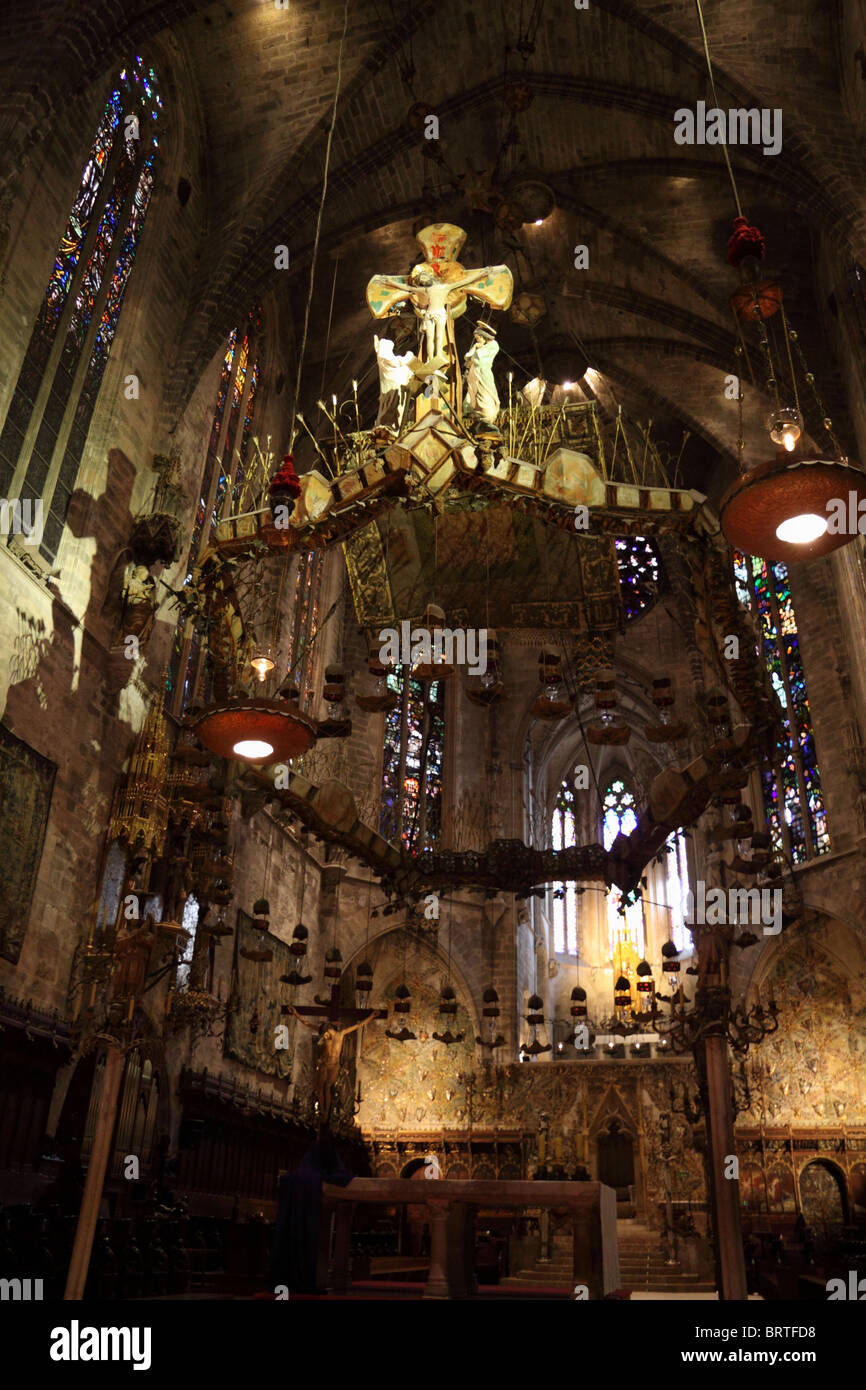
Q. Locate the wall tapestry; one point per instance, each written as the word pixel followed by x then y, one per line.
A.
pixel 256 994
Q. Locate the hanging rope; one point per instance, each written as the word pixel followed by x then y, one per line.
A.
pixel 315 254
pixel 716 104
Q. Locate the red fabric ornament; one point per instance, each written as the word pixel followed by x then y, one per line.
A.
pixel 745 241
pixel 285 479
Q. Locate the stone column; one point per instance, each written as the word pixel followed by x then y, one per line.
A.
pixel 106 1115
pixel 437 1278
pixel 724 1192
pixel 341 1275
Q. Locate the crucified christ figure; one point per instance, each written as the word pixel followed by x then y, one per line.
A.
pixel 328 1061
pixel 429 299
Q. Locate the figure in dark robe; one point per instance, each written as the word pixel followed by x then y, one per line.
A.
pixel 296 1235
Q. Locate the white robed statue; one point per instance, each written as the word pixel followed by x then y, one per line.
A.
pixel 482 397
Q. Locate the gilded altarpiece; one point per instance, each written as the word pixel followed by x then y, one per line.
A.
pixel 482 1119
pixel 808 1081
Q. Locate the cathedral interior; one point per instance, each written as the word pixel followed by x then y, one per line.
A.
pixel 433 748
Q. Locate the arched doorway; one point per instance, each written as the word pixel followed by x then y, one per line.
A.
pixel 824 1199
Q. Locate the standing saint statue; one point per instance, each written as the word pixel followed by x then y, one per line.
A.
pixel 328 1060
pixel 395 373
pixel 482 397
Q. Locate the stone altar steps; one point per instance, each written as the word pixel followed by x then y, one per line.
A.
pixel 642 1265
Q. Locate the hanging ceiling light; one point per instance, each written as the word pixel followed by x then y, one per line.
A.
pixel 488 688
pixel 784 427
pixel 553 701
pixel 535 1019
pixel 448 1010
pixel 782 509
pixel 402 1005
pixel 490 1011
pixel 253 730
pixel 262 663
pixel 790 507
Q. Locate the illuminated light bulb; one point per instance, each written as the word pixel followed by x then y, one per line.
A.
pixel 568 386
pixel 784 427
pixel 538 221
pixel 803 529
pixel 254 748
pixel 262 665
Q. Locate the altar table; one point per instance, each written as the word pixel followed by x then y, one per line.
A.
pixel 451 1210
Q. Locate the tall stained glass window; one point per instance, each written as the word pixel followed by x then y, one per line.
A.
pixel 221 486
pixel 305 622
pixel 625 921
pixel 676 888
pixel 49 415
pixel 412 766
pixel 565 895
pixel 793 797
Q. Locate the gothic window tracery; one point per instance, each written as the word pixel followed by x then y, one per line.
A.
pixel 411 809
pixel 52 406
pixel 221 489
pixel 625 920
pixel 639 572
pixel 565 895
pixel 792 790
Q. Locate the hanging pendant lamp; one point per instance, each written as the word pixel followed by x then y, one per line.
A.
pixel 253 730
pixel 793 509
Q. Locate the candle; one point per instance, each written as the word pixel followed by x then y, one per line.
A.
pixel 129 1010
pixel 542 1147
pixel 557 1148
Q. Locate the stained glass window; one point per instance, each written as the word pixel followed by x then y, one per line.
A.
pixel 639 573
pixel 412 766
pixel 793 797
pixel 676 888
pixel 624 919
pixel 221 479
pixel 49 416
pixel 305 623
pixel 565 895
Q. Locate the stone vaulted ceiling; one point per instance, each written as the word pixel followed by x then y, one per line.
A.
pixel 651 310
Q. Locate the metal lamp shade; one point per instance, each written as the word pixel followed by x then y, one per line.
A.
pixel 220 727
